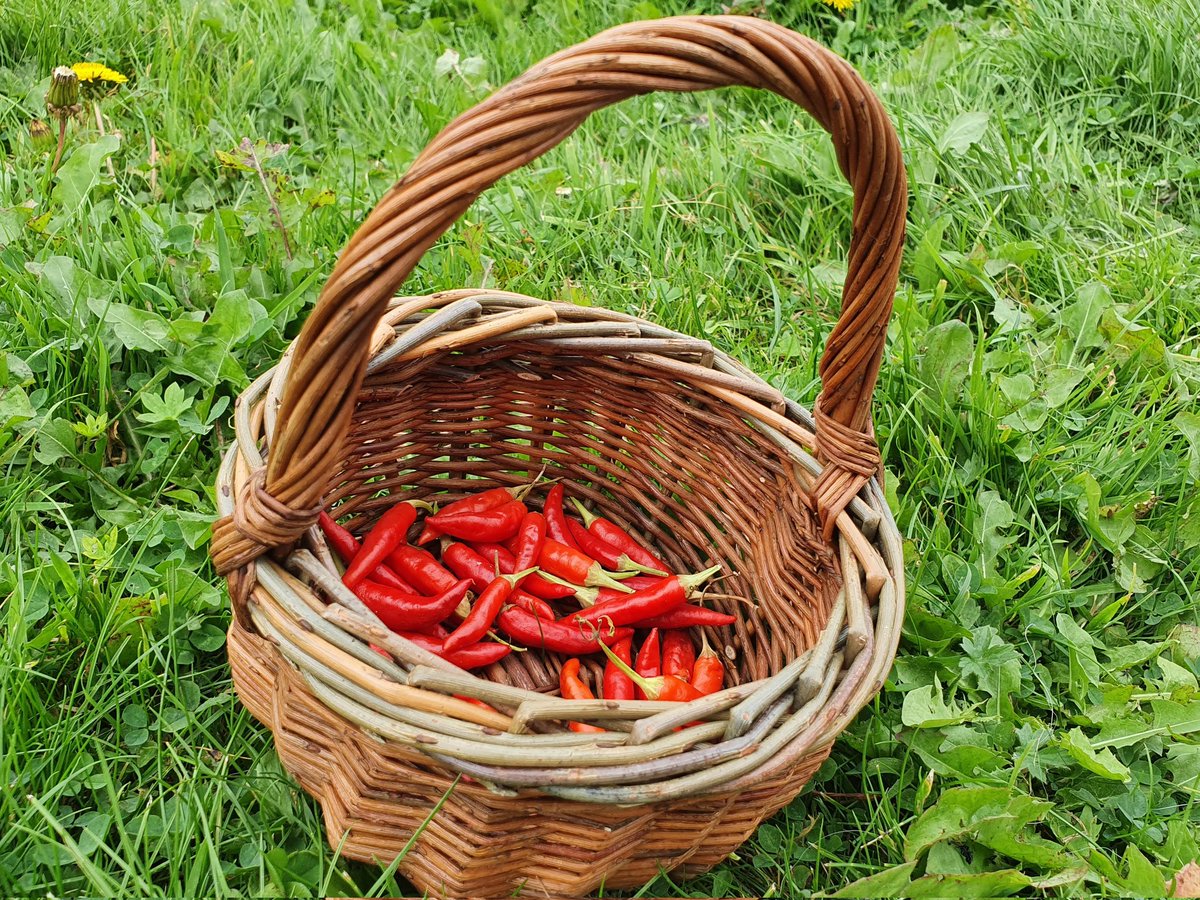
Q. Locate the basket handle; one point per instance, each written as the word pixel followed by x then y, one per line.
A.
pixel 519 123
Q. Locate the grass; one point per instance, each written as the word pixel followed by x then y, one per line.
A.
pixel 1036 408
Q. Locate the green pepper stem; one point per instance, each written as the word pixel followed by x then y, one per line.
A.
pixel 625 564
pixel 585 595
pixel 515 577
pixel 598 577
pixel 640 680
pixel 691 582
pixel 523 491
pixel 587 516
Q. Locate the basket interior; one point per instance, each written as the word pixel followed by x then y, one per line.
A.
pixel 677 467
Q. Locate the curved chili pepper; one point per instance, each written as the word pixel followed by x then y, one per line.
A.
pixel 585 595
pixel 389 532
pixel 678 655
pixel 497 524
pixel 421 569
pixel 617 685
pixel 652 601
pixel 571 687
pixel 558 636
pixel 687 616
pixel 708 674
pixel 483 612
pixel 649 660
pixel 468 657
pixel 401 611
pixel 341 541
pixel 474 503
pixel 575 566
pixel 527 546
pixel 599 550
pixel 346 546
pixel 531 534
pixel 663 687
pixel 535 583
pixel 613 557
pixel 637 582
pixel 497 556
pixel 556 520
pixel 466 563
pixel 613 534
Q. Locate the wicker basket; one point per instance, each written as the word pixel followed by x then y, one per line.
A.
pixel 450 393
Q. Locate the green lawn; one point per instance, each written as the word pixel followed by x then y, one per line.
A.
pixel 1037 409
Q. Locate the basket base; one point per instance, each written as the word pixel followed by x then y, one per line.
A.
pixel 375 796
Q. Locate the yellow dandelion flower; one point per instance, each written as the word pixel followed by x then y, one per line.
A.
pixel 89 72
pixel 841 5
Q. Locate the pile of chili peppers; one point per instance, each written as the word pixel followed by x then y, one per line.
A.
pixel 489 566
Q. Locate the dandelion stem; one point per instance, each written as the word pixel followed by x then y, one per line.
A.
pixel 62 139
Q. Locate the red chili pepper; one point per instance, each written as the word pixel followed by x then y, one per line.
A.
pixel 401 611
pixel 652 601
pixel 346 546
pixel 474 503
pixel 574 566
pixel 708 674
pixel 585 595
pixel 556 520
pixel 384 574
pixel 497 524
pixel 664 687
pixel 613 534
pixel 531 534
pixel 497 556
pixel 341 541
pixel 687 616
pixel 617 685
pixel 389 532
pixel 637 582
pixel 649 660
pixel 678 654
pixel 483 612
pixel 421 568
pixel 571 687
pixel 599 550
pixel 558 636
pixel 466 563
pixel 613 557
pixel 467 658
pixel 535 583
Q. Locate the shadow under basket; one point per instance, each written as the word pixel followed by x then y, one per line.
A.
pixel 384 398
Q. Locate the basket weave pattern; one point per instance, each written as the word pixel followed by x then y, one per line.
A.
pixel 444 395
pixel 381 794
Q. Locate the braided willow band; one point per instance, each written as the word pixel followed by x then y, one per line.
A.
pixel 519 123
